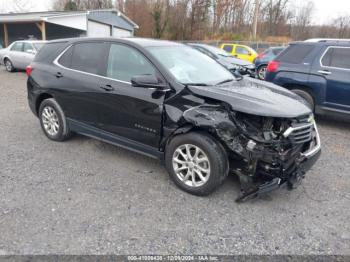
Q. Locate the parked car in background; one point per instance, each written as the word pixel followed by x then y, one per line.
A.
pixel 19 54
pixel 171 102
pixel 318 71
pixel 240 51
pixel 263 59
pixel 233 64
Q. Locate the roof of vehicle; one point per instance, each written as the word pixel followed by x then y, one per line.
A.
pixel 31 41
pixel 144 42
pixel 324 42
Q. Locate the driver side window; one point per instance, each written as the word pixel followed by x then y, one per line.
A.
pixel 125 62
pixel 242 50
pixel 17 47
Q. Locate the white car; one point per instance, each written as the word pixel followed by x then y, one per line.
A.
pixel 19 54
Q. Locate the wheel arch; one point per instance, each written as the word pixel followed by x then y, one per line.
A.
pixel 40 99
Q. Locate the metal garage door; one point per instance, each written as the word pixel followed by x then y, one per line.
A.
pixel 98 29
pixel 117 32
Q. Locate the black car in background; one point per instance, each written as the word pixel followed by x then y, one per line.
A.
pixel 317 70
pixel 222 57
pixel 171 102
pixel 263 59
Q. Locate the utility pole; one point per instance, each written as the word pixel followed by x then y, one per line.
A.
pixel 255 18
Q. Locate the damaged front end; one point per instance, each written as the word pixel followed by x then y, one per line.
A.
pixel 265 152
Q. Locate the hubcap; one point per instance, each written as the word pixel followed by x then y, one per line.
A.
pixel 8 66
pixel 191 165
pixel 262 73
pixel 50 121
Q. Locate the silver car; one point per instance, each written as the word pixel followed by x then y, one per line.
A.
pixel 19 54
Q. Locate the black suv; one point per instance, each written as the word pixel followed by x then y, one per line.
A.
pixel 171 102
pixel 317 70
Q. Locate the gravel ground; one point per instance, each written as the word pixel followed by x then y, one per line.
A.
pixel 87 197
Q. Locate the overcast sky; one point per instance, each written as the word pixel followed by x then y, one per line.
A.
pixel 324 11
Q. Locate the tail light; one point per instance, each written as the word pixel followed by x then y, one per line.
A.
pixel 29 70
pixel 273 66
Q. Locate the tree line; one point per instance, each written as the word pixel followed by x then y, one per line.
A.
pixel 269 20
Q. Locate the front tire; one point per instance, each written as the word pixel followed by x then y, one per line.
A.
pixel 261 72
pixel 196 162
pixel 8 65
pixel 53 121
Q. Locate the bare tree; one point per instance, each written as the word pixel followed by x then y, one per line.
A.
pixel 21 6
pixel 302 21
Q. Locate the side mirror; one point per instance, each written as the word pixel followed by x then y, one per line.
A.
pixel 146 81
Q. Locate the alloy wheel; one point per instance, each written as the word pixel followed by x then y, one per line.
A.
pixel 50 121
pixel 8 65
pixel 262 73
pixel 191 165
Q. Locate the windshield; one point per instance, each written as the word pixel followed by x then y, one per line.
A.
pixel 189 66
pixel 38 46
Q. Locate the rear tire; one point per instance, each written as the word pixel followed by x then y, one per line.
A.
pixel 196 162
pixel 306 96
pixel 8 65
pixel 53 121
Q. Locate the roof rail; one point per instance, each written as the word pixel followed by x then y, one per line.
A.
pixel 318 40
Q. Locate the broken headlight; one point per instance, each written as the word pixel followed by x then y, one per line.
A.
pixel 259 128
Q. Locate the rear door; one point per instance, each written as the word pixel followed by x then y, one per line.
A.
pixel 28 54
pixel 78 81
pixel 335 68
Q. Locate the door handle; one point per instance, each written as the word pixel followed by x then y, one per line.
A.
pixel 107 88
pixel 324 72
pixel 58 75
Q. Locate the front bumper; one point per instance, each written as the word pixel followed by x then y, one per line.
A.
pixel 301 164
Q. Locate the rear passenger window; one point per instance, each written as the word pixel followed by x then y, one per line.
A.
pixel 27 47
pixel 66 58
pixel 295 54
pixel 228 48
pixel 326 59
pixel 89 57
pixel 277 51
pixel 49 52
pixel 337 57
pixel 125 62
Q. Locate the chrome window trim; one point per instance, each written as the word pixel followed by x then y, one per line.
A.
pixel 324 53
pixel 78 71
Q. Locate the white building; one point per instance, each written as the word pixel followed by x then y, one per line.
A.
pixel 64 24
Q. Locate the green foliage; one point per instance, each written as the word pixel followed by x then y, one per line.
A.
pixel 70 6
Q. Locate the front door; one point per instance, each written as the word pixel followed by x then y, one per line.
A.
pixel 16 55
pixel 127 111
pixel 335 67
pixel 243 53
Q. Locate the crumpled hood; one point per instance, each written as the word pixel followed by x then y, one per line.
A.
pixel 256 97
